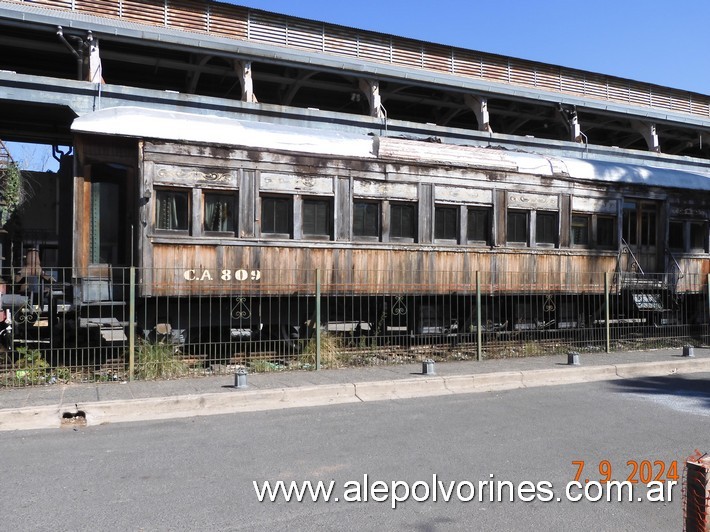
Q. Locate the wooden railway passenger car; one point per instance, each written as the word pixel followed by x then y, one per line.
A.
pixel 210 206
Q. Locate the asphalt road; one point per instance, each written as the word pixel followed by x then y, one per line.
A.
pixel 197 474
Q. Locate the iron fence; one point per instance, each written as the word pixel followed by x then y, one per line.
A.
pixel 127 323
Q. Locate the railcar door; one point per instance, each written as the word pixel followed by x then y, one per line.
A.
pixel 109 216
pixel 640 232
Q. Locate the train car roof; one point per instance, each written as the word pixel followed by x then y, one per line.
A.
pixel 145 123
pixel 140 122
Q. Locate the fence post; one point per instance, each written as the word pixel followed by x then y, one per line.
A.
pixel 479 347
pixel 607 326
pixel 317 319
pixel 707 287
pixel 131 323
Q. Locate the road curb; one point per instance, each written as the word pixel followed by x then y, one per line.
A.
pixel 252 400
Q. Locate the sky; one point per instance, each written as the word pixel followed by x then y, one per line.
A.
pixel 656 41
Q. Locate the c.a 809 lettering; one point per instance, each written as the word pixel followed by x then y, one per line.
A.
pixel 223 275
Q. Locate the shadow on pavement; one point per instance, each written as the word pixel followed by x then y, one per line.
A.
pixel 673 385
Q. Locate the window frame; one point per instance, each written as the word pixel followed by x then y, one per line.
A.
pixel 187 194
pixel 526 218
pixel 415 221
pixel 378 213
pixel 682 224
pixel 329 230
pixel 704 229
pixel 288 199
pixel 488 211
pixel 554 217
pixel 614 219
pixel 588 218
pixel 234 197
pixel 448 209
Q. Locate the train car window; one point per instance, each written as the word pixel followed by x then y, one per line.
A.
pixel 675 235
pixel 317 217
pixel 479 226
pixel 546 228
pixel 403 221
pixel 276 216
pixel 220 212
pixel 366 219
pixel 446 225
pixel 172 211
pixel 606 232
pixel 517 230
pixel 579 230
pixel 698 236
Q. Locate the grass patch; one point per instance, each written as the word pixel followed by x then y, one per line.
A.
pixel 159 361
pixel 30 368
pixel 331 352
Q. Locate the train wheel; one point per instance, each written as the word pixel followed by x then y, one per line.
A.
pixel 287 339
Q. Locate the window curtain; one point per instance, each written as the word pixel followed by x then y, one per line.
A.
pixel 167 211
pixel 218 214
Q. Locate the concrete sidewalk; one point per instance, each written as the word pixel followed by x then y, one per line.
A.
pixel 52 406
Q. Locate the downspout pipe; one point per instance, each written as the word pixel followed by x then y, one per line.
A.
pixel 77 55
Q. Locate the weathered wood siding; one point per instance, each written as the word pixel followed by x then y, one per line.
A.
pixel 254 263
pixel 199 269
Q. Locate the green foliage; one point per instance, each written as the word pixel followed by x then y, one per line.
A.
pixel 159 361
pixel 62 373
pixel 30 368
pixel 263 366
pixel 11 181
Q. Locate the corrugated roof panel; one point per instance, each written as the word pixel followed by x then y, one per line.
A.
pixel 548 77
pixel 375 47
pixel 340 41
pixel 108 8
pixel 468 64
pixel 660 98
pixel 189 15
pixel 573 82
pixel 700 107
pixel 228 21
pixel 150 12
pixel 595 85
pixel 407 53
pixel 495 69
pixel 520 74
pixel 681 102
pixel 639 94
pixel 437 58
pixel 54 4
pixel 306 35
pixel 266 28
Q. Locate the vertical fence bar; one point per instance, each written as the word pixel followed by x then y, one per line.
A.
pixel 479 346
pixel 131 322
pixel 607 326
pixel 317 319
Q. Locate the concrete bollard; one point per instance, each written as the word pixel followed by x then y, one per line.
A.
pixel 240 378
pixel 688 351
pixel 573 358
pixel 428 367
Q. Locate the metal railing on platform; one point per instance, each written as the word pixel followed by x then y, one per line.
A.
pixel 259 27
pixel 120 324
